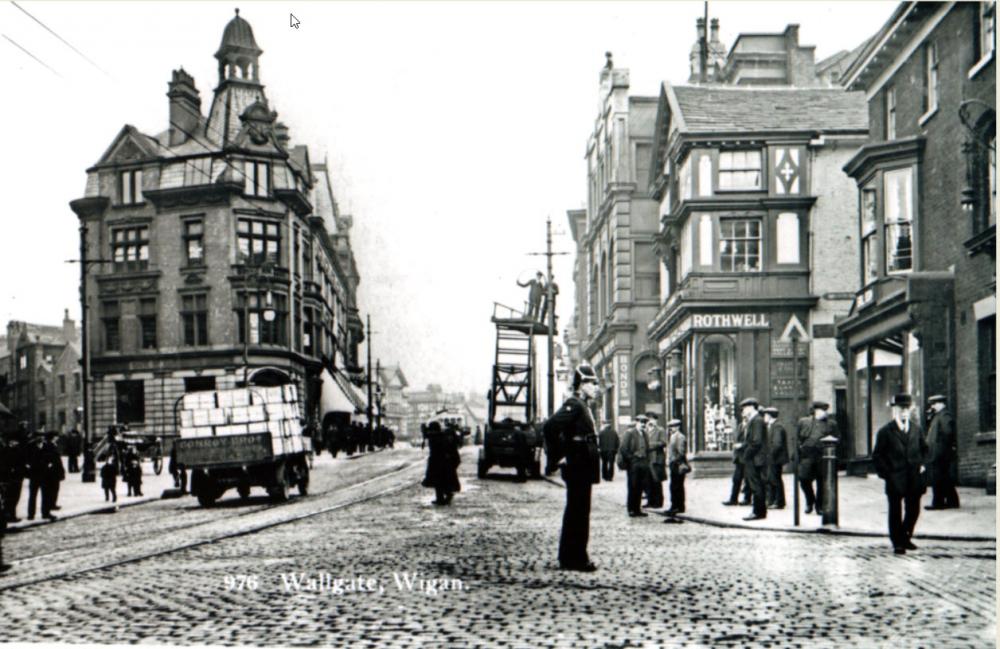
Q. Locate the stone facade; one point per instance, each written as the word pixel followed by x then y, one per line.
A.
pixel 215 231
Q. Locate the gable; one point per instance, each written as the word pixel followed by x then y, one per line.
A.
pixel 128 147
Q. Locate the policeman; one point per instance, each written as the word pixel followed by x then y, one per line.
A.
pixel 942 444
pixel 571 441
pixel 810 431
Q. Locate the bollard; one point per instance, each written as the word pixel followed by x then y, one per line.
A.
pixel 830 513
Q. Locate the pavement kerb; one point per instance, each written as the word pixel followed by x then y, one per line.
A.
pixel 13 528
pixel 829 531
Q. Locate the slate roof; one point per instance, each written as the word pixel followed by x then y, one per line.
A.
pixel 714 109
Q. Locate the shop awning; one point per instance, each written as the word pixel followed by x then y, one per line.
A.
pixel 337 395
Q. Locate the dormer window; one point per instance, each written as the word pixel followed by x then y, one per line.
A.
pixel 257 178
pixel 130 186
pixel 740 170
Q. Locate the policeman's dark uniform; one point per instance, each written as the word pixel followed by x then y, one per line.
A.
pixel 570 434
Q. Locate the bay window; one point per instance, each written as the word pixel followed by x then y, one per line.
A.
pixel 740 170
pixel 869 237
pixel 258 241
pixel 898 214
pixel 739 245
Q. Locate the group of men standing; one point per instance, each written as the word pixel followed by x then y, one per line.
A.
pixel 760 454
pixel 36 458
pixel 649 455
pixel 538 297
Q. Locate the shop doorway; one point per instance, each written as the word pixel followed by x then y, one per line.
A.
pixel 717 361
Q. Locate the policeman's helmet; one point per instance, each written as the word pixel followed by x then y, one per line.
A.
pixel 584 373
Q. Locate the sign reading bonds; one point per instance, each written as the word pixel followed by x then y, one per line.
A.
pixel 224 449
pixel 622 374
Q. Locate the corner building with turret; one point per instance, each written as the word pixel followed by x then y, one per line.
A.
pixel 215 254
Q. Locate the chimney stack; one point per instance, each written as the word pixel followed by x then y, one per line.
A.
pixel 69 328
pixel 715 31
pixel 185 107
pixel 281 134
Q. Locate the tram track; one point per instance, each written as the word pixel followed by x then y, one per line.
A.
pixel 238 509
pixel 149 548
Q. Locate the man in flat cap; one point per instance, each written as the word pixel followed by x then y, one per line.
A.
pixel 777 457
pixel 571 443
pixel 809 433
pixel 678 464
pixel 633 458
pixel 536 287
pixel 754 456
pixel 899 455
pixel 942 444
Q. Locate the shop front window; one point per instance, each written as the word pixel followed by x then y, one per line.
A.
pixel 718 411
pixel 862 438
pixel 886 379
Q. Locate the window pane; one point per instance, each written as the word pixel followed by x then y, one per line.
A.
pixel 242 226
pixel 194 250
pixel 899 247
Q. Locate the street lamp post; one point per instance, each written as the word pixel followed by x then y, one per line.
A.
pixel 252 276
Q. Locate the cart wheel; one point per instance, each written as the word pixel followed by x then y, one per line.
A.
pixel 244 491
pixel 304 481
pixel 279 490
pixel 207 498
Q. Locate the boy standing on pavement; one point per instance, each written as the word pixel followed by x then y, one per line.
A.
pixel 677 462
pixel 899 455
pixel 777 458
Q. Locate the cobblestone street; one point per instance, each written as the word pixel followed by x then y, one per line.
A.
pixel 393 570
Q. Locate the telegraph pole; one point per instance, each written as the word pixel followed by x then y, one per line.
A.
pixel 369 322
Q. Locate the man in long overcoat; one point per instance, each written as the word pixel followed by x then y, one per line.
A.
pixel 777 457
pixel 899 455
pixel 942 444
pixel 633 458
pixel 809 433
pixel 608 442
pixel 571 443
pixel 536 288
pixel 739 474
pixel 755 452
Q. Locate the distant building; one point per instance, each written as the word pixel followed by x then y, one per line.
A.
pixel 40 379
pixel 424 404
pixel 394 405
pixel 924 318
pixel 765 59
pixel 221 236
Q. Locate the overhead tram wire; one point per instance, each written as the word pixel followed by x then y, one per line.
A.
pixel 43 63
pixel 64 41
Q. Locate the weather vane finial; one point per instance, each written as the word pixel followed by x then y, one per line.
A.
pixel 609 64
pixel 237 11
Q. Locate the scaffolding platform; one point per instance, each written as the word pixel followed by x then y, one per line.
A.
pixel 510 318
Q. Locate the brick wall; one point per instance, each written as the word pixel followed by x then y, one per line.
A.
pixel 943 227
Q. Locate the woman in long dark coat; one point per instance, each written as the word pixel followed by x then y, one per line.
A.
pixel 442 463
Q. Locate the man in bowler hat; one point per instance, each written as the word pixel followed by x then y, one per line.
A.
pixel 809 433
pixel 942 445
pixel 571 442
pixel 899 455
pixel 755 456
pixel 777 457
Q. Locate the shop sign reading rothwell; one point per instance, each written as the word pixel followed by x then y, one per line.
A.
pixel 730 321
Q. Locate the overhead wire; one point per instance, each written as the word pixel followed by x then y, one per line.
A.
pixel 23 49
pixel 63 40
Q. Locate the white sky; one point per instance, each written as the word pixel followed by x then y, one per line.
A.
pixel 452 129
